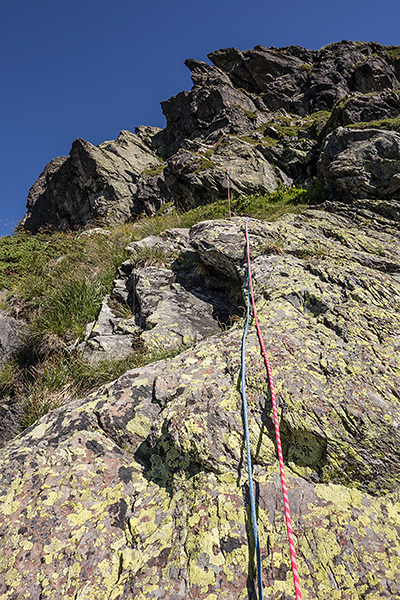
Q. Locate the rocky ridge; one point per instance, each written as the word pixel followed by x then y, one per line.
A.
pixel 139 490
pixel 269 115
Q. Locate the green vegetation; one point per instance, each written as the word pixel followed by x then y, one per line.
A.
pixel 251 115
pixel 66 377
pixel 391 124
pixel 157 170
pixel 204 164
pixel 146 257
pixel 306 67
pixel 315 250
pixel 288 126
pixel 57 281
pixel 393 52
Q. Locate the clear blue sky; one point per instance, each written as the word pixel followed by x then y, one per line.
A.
pixel 89 68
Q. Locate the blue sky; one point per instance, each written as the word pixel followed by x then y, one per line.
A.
pixel 89 68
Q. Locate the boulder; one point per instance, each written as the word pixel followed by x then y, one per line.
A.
pixel 172 316
pixel 166 303
pixel 11 334
pixel 361 163
pixel 140 489
pixel 95 184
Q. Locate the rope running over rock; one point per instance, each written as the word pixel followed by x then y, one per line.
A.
pixel 250 292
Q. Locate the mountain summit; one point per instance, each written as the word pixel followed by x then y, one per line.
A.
pixel 272 116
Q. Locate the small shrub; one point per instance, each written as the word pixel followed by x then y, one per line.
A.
pixel 157 170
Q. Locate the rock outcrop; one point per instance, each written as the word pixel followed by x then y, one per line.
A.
pixel 174 301
pixel 11 332
pixel 95 184
pixel 259 113
pixel 11 341
pixel 361 163
pixel 139 490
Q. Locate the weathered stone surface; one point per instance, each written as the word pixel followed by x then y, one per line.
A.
pixel 361 163
pixel 277 76
pixel 363 108
pixel 152 192
pixel 11 341
pixel 111 336
pixel 220 244
pixel 94 184
pixel 213 106
pixel 172 316
pixel 197 178
pixel 172 240
pixel 170 307
pixel 139 491
pixel 11 331
pixel 40 185
pixel 303 81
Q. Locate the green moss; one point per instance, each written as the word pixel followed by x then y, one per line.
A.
pixel 266 141
pixel 393 52
pixel 157 170
pixel 294 127
pixel 204 164
pixel 388 124
pixel 318 116
pixel 252 115
pixel 306 67
pixel 342 103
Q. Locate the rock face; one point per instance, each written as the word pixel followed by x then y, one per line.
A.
pixel 11 340
pixel 361 163
pixel 139 490
pixel 94 184
pixel 264 114
pixel 171 306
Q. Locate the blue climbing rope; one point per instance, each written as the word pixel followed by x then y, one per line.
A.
pixel 249 465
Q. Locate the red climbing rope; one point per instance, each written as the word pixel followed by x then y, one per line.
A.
pixel 277 433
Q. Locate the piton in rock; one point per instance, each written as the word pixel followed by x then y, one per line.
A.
pixel 139 489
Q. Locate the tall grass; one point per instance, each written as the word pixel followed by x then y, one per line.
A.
pixel 61 378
